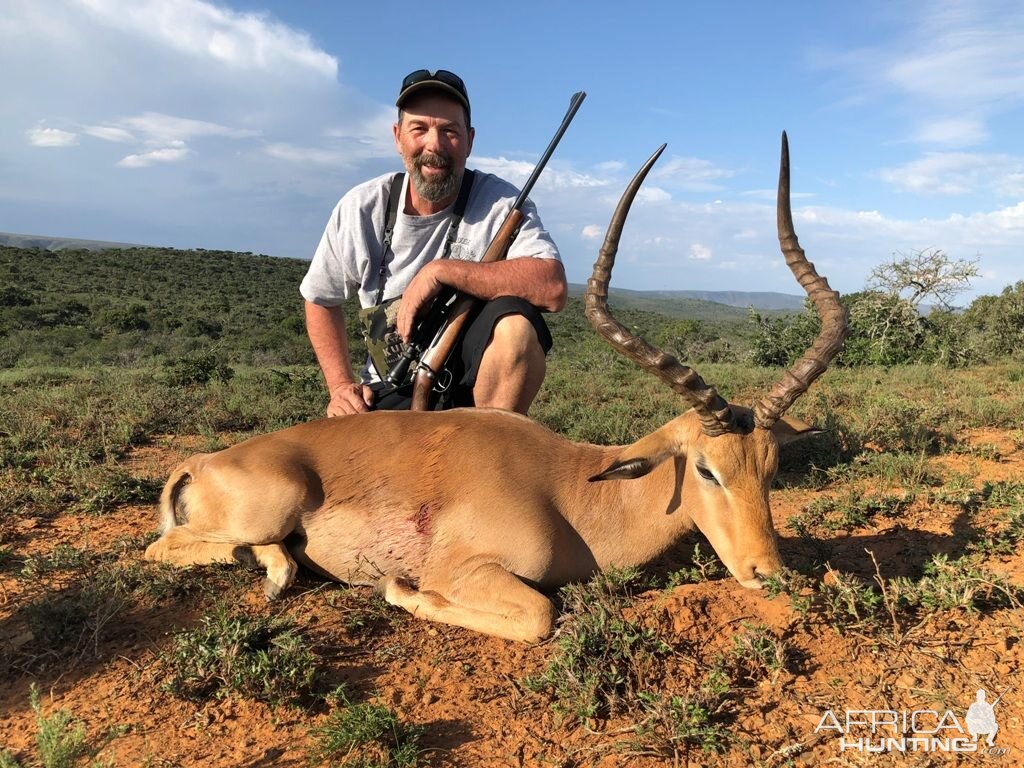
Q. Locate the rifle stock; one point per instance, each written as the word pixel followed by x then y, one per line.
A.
pixel 434 358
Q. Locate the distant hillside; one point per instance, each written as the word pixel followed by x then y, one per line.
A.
pixel 119 306
pixel 757 299
pixel 50 243
pixel 710 306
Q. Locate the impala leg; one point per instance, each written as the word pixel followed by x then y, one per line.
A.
pixel 487 599
pixel 180 546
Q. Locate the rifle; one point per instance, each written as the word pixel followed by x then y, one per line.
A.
pixel 436 335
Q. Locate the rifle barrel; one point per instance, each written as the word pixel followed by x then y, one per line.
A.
pixel 574 105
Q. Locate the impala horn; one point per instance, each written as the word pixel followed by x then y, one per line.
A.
pixel 834 326
pixel 716 417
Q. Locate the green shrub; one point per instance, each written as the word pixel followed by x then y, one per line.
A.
pixel 604 660
pixel 884 330
pixel 365 736
pixel 996 323
pixel 60 737
pixel 252 656
pixel 196 368
pixel 779 341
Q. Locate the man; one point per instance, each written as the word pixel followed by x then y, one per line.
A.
pixel 502 360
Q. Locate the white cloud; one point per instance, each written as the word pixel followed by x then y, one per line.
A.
pixel 963 54
pixel 518 171
pixel 239 41
pixel 953 131
pixel 956 67
pixel 109 133
pixel 51 137
pixel 165 155
pixel 700 252
pixel 772 194
pixel 747 233
pixel 652 195
pixel 957 173
pixel 159 128
pixel 592 232
pixel 693 173
pixel 305 155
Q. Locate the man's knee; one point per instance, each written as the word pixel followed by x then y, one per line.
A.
pixel 515 337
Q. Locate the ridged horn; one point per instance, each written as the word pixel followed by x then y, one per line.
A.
pixel 715 415
pixel 834 327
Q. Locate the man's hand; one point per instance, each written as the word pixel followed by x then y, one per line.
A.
pixel 350 398
pixel 417 297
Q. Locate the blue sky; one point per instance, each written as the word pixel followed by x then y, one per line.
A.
pixel 237 125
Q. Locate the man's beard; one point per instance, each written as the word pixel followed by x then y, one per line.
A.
pixel 434 189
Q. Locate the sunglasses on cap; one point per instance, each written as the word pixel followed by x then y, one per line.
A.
pixel 439 75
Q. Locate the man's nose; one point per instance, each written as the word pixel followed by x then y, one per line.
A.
pixel 433 140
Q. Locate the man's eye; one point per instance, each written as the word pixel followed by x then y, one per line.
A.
pixel 707 474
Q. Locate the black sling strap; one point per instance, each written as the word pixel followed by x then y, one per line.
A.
pixel 394 200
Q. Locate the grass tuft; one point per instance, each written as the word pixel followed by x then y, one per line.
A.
pixel 60 738
pixel 233 653
pixel 365 736
pixel 603 658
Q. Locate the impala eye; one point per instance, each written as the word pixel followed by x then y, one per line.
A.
pixel 707 474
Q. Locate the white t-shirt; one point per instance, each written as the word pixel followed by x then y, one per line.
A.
pixel 348 258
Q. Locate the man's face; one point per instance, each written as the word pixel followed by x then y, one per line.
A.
pixel 434 142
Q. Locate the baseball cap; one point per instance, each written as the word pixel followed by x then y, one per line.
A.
pixel 438 80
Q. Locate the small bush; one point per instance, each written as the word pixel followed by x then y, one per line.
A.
pixel 196 368
pixel 848 512
pixel 895 423
pixel 705 568
pixel 365 736
pixel 780 341
pixel 890 607
pixel 252 656
pixel 674 724
pixel 60 737
pixel 604 660
pixel 756 653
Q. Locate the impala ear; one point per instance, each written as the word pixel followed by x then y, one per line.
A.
pixel 788 430
pixel 640 458
pixel 627 469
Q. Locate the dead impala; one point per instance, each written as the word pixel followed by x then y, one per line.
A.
pixel 472 512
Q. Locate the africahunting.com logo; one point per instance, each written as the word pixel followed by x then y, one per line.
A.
pixel 919 730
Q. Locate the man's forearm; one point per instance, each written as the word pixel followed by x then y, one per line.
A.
pixel 327 334
pixel 540 281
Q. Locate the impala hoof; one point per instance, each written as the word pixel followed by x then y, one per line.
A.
pixel 272 590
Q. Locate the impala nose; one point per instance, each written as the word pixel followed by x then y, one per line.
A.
pixel 757 582
pixel 757 572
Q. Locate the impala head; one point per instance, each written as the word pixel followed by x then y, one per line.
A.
pixel 729 453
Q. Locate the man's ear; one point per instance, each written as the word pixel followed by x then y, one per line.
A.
pixel 640 458
pixel 395 130
pixel 789 430
pixel 469 144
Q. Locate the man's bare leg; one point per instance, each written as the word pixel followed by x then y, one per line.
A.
pixel 512 367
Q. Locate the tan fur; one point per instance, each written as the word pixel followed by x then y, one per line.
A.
pixel 461 516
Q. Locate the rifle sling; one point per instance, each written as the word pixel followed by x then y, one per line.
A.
pixel 394 200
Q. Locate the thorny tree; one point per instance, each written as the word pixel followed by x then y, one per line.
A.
pixel 923 273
